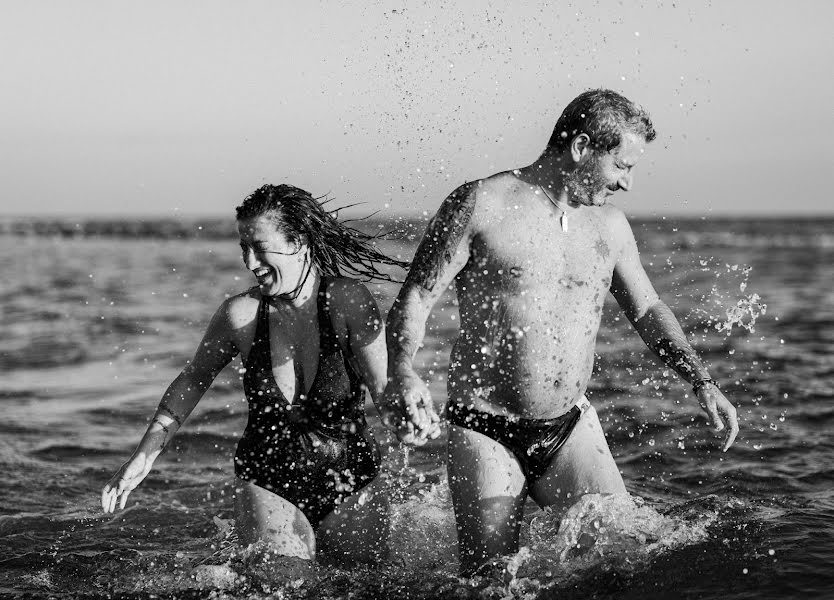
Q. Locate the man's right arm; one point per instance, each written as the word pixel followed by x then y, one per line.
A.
pixel 442 253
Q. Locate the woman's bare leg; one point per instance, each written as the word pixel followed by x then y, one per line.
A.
pixel 261 515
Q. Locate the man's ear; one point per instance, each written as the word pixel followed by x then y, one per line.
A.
pixel 580 147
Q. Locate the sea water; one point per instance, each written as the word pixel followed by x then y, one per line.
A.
pixel 94 327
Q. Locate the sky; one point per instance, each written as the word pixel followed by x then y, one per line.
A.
pixel 151 108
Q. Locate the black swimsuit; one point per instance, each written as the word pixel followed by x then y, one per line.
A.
pixel 319 452
pixel 534 442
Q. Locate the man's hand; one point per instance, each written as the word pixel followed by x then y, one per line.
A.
pixel 407 409
pixel 721 413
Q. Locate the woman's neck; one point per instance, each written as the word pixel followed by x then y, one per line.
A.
pixel 301 296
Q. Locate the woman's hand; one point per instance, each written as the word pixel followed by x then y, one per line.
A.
pixel 407 409
pixel 130 475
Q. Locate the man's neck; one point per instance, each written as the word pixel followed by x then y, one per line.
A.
pixel 548 172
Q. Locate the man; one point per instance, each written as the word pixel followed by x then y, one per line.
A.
pixel 533 253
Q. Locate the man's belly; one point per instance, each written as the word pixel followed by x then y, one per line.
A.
pixel 533 364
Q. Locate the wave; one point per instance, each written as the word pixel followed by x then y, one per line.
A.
pixel 121 228
pixel 44 352
pixel 69 452
pixel 601 545
pixel 661 232
pixel 729 239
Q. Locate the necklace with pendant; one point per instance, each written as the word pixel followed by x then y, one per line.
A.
pixel 563 219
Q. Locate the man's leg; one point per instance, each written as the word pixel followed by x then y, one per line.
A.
pixel 584 465
pixel 488 492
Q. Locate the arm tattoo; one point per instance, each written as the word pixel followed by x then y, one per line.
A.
pixel 442 238
pixel 664 336
pixel 165 429
pixel 164 406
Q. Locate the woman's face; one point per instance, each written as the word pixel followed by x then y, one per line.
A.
pixel 278 263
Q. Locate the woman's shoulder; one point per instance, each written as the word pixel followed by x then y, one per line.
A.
pixel 344 285
pixel 239 310
pixel 344 291
pixel 347 296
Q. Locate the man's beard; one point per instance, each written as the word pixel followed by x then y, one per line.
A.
pixel 584 184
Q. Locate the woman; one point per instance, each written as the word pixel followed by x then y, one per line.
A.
pixel 311 341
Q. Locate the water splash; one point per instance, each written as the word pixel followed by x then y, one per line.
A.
pixel 750 308
pixel 738 310
pixel 422 529
pixel 600 533
pixel 422 533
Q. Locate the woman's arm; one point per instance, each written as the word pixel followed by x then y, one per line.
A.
pixel 365 336
pixel 215 351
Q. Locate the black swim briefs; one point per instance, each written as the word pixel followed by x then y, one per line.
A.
pixel 534 442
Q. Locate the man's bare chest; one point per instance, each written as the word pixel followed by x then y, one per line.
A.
pixel 537 252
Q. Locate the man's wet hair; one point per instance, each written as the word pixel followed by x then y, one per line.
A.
pixel 335 248
pixel 604 115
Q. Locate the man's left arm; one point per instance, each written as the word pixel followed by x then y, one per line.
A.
pixel 662 333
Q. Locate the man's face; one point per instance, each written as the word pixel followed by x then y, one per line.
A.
pixel 603 173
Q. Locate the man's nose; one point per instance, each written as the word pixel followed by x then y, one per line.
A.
pixel 625 181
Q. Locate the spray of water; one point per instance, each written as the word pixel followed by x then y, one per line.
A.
pixel 743 314
pixel 742 309
pixel 600 533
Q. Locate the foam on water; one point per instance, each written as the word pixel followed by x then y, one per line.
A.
pixel 422 534
pixel 610 532
pixel 619 534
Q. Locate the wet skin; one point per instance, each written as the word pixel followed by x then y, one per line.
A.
pixel 530 293
pixel 353 532
pixel 530 296
pixel 530 303
pixel 530 299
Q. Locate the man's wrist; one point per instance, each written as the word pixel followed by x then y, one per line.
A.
pixel 701 382
pixel 400 366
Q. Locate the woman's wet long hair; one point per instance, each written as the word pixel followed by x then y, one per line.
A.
pixel 335 248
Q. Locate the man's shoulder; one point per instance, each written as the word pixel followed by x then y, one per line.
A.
pixel 480 203
pixel 484 195
pixel 614 218
pixel 616 226
pixel 498 186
